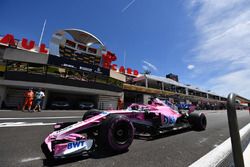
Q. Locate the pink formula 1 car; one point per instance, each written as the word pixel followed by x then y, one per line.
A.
pixel 114 130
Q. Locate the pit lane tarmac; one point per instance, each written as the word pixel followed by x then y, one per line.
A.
pixel 20 145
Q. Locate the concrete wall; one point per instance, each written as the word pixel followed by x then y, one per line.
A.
pixel 118 76
pixel 21 55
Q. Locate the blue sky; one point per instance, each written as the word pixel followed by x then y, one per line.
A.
pixel 195 39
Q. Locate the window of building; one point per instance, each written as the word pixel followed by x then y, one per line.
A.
pixel 180 90
pixel 16 66
pixel 115 82
pixel 36 68
pixel 55 71
pixel 101 79
pixel 91 77
pixel 2 69
pixel 85 76
pixel 73 74
pixel 167 87
pixel 154 84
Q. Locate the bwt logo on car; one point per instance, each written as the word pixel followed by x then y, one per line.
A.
pixel 75 144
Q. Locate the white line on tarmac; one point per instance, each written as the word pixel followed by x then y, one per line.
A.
pixel 246 155
pixel 30 159
pixel 221 152
pixel 203 140
pixel 22 124
pixel 29 118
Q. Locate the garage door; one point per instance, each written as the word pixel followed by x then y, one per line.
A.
pixel 107 102
pixel 14 98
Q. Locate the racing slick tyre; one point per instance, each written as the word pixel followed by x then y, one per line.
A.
pixel 90 113
pixel 116 133
pixel 198 121
pixel 46 152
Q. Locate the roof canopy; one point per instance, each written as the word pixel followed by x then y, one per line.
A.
pixel 83 37
pixel 170 81
pixel 78 36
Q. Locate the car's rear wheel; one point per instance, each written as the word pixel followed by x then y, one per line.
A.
pixel 116 133
pixel 198 121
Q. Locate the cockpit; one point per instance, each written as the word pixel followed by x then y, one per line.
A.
pixel 139 108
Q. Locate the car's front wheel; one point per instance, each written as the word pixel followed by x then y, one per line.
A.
pixel 116 133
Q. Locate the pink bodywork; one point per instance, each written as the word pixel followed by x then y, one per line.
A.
pixel 158 107
pixel 69 133
pixel 136 111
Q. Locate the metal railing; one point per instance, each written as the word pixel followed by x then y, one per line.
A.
pixel 234 129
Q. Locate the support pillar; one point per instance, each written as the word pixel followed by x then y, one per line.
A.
pixel 146 82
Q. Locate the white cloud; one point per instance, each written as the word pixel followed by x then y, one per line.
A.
pixel 128 5
pixel 150 65
pixel 237 81
pixel 190 66
pixel 222 54
pixel 145 67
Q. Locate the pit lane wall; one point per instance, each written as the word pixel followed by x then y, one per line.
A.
pixel 222 155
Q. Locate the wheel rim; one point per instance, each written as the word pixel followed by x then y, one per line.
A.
pixel 121 132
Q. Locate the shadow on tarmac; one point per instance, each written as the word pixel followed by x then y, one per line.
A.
pixel 97 154
pixel 163 135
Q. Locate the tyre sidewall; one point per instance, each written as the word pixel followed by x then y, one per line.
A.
pixel 198 121
pixel 108 129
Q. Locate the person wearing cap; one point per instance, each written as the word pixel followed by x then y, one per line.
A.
pixel 29 96
pixel 39 95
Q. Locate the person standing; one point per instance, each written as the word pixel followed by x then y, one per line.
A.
pixel 39 95
pixel 120 104
pixel 29 96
